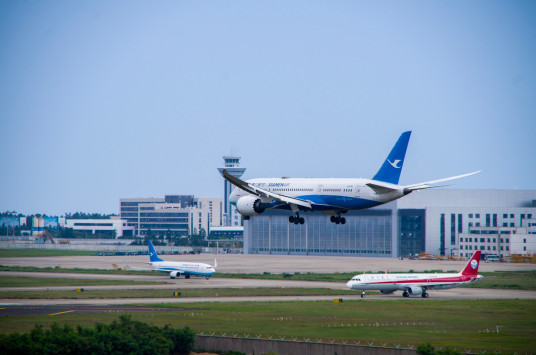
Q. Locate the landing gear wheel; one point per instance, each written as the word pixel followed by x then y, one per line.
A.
pixel 363 294
pixel 296 219
pixel 332 219
pixel 425 295
pixel 405 294
pixel 343 220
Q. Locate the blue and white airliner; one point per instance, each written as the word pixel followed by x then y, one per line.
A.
pixel 332 196
pixel 176 269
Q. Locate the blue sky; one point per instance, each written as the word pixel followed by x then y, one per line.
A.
pixel 101 100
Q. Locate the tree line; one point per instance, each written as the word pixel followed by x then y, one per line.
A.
pixel 123 336
pixel 75 215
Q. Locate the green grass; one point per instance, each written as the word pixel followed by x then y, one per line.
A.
pixel 468 325
pixel 10 281
pixel 78 270
pixel 160 293
pixel 515 280
pixel 18 253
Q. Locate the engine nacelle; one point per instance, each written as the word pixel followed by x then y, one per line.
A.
pixel 174 274
pixel 250 205
pixel 415 290
pixel 386 292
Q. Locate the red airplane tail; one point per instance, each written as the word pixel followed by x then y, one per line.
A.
pixel 471 268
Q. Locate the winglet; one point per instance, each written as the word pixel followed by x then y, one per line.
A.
pixel 392 166
pixel 153 256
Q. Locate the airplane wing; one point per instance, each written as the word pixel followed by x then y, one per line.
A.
pixel 264 193
pixel 128 267
pixel 426 185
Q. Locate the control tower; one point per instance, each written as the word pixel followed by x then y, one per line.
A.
pixel 232 164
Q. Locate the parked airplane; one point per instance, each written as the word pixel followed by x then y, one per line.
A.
pixel 414 284
pixel 332 196
pixel 176 269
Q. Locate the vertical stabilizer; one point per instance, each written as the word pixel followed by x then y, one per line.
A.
pixel 471 269
pixel 392 166
pixel 153 256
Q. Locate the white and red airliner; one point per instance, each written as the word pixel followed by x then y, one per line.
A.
pixel 415 284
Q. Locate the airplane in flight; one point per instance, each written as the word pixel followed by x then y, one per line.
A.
pixel 415 284
pixel 332 196
pixel 176 269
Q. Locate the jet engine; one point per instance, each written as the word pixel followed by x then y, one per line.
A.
pixel 174 274
pixel 415 290
pixel 250 205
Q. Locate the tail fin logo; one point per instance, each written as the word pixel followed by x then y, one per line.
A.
pixel 474 263
pixel 395 163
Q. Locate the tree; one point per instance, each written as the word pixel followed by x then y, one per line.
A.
pixel 123 336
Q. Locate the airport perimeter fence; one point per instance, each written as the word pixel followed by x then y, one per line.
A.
pixel 282 346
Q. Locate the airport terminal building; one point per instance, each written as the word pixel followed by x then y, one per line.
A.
pixel 439 222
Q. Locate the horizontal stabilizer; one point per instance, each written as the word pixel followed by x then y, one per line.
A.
pixel 382 188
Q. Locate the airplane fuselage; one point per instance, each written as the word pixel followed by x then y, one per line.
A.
pixel 196 269
pixel 393 282
pixel 324 194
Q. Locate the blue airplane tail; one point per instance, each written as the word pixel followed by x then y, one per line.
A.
pixel 392 166
pixel 153 256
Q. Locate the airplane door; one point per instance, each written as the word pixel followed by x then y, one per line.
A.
pixel 319 189
pixel 357 191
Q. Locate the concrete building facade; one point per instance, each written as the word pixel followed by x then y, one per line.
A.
pixel 114 226
pixel 176 214
pixel 432 221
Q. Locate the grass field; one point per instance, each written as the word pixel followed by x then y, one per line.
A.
pixel 9 281
pixel 160 293
pixel 515 280
pixel 19 253
pixel 470 326
pixel 78 270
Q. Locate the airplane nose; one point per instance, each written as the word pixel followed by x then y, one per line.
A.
pixel 349 284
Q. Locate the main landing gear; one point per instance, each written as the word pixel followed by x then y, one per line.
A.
pixel 423 295
pixel 337 219
pixel 296 219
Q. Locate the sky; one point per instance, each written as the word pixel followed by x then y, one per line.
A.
pixel 102 100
